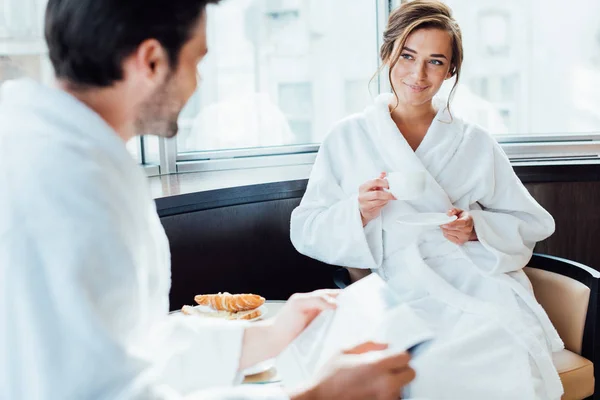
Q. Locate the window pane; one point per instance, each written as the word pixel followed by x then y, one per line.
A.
pixel 280 72
pixel 525 71
pixel 134 148
pixel 356 96
pixel 151 150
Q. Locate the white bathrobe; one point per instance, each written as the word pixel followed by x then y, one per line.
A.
pixel 494 341
pixel 85 269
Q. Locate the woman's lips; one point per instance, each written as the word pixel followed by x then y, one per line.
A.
pixel 416 88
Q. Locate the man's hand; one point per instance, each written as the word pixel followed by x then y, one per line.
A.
pixel 362 373
pixel 266 339
pixel 299 311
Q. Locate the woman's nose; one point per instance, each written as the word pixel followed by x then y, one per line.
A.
pixel 419 70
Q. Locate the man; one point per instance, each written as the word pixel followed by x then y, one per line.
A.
pixel 84 258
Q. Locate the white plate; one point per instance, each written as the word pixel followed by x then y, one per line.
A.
pixel 426 219
pixel 205 311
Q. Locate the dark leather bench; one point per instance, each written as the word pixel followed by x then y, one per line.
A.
pixel 237 240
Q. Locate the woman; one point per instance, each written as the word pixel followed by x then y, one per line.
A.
pixel 465 278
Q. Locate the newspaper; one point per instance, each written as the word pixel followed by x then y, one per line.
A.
pixel 367 310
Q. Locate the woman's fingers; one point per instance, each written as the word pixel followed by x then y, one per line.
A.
pixel 451 238
pixel 377 195
pixel 454 211
pixel 380 183
pixel 375 184
pixel 459 224
pixel 455 237
pixel 374 205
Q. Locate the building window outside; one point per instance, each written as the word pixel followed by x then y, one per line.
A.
pixel 296 103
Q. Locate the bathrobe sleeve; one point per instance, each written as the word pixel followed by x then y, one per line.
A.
pixel 327 224
pixel 510 221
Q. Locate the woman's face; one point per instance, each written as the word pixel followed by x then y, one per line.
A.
pixel 423 66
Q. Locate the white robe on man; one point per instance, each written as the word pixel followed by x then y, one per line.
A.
pixel 85 269
pixel 494 341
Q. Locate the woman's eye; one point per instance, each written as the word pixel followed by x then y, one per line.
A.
pixel 406 56
pixel 436 62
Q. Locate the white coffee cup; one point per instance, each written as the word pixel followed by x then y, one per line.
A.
pixel 407 185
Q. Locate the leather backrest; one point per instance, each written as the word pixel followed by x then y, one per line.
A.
pixel 242 248
pixel 565 301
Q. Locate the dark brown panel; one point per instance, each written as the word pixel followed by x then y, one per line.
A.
pixel 239 249
pixel 576 210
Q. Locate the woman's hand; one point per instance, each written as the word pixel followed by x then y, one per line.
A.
pixel 462 229
pixel 372 198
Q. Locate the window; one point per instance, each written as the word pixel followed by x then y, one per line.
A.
pixel 494 28
pixel 280 73
pixel 277 72
pixel 525 74
pixel 356 96
pixel 134 148
pixel 296 103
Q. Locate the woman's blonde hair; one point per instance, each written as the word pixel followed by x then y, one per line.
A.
pixel 414 15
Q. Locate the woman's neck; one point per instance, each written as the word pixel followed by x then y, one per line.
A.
pixel 406 113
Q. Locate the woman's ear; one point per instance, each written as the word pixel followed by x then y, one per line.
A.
pixel 451 72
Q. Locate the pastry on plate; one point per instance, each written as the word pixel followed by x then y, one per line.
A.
pixel 230 302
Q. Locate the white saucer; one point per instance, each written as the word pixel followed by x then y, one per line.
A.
pixel 259 368
pixel 426 219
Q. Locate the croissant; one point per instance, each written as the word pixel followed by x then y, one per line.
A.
pixel 247 314
pixel 230 302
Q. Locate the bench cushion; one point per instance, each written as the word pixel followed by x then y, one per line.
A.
pixel 576 374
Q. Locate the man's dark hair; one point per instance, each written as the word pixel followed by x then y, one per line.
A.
pixel 88 40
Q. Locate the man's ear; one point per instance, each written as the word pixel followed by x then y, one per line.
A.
pixel 152 62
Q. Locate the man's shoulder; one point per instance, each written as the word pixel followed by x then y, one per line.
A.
pixel 38 141
pixel 44 169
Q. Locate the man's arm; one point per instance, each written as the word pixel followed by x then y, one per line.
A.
pixel 266 339
pixel 362 373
